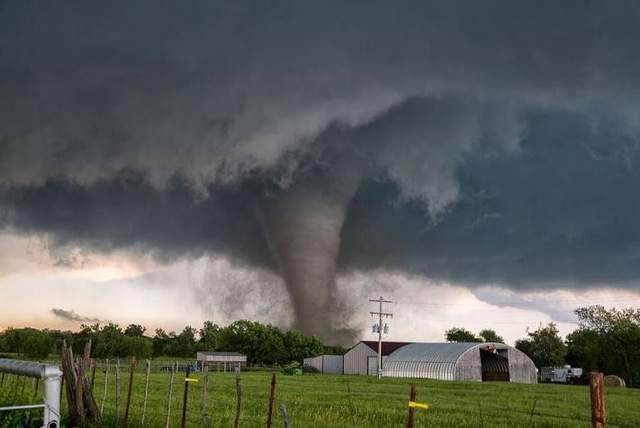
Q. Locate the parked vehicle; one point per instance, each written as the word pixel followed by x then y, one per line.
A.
pixel 566 374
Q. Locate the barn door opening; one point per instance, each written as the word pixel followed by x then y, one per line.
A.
pixel 495 367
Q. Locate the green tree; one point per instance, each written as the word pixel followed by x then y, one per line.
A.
pixel 260 343
pixel 587 349
pixel 456 334
pixel 184 344
pixel 135 330
pixel 489 335
pixel 544 346
pixel 108 342
pixel 619 333
pixel 161 343
pixel 36 344
pixel 139 346
pixel 209 336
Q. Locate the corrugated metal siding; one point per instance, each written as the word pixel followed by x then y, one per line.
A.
pixel 315 362
pixel 427 360
pixel 372 364
pixel 454 361
pixel 443 370
pixel 327 364
pixel 521 368
pixel 355 360
pixel 469 365
pixel 332 364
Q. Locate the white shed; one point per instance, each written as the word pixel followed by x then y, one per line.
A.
pixel 357 360
pixel 221 360
pixel 327 364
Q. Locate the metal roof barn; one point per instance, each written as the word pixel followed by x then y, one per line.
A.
pixel 357 359
pixel 461 361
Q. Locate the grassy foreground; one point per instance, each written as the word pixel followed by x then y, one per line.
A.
pixel 359 401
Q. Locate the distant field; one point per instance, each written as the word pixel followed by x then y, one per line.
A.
pixel 359 401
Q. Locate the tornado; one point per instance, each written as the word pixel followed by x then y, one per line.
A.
pixel 303 228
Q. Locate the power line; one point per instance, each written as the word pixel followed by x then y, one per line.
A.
pixel 380 329
pixel 538 302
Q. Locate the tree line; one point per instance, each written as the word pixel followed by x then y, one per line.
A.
pixel 607 340
pixel 261 343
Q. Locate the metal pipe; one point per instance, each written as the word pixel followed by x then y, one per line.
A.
pixel 51 376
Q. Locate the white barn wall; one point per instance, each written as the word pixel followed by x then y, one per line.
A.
pixel 326 364
pixel 372 364
pixel 469 366
pixel 355 360
pixel 520 367
pixel 332 364
pixel 315 362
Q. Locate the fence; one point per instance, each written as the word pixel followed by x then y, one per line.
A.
pixel 51 376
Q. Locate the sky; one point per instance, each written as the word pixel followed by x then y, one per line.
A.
pixel 167 163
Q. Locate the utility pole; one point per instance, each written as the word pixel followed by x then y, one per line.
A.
pixel 379 328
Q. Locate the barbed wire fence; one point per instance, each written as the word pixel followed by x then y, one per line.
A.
pixel 153 392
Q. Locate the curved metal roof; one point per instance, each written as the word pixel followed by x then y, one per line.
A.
pixel 440 352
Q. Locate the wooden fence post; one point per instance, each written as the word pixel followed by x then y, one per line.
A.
pixel 80 402
pixel 598 413
pixel 146 392
pixel 412 398
pixel 132 368
pixel 186 397
pixel 272 395
pixel 117 390
pixel 93 372
pixel 238 398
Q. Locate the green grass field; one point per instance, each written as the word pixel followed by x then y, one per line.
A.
pixel 359 401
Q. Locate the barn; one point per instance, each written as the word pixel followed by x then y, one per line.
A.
pixel 461 361
pixel 363 357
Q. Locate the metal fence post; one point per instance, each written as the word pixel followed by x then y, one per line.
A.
pixel 52 387
pixel 146 392
pixel 51 376
pixel 205 395
pixel 106 382
pixel 173 372
pixel 412 398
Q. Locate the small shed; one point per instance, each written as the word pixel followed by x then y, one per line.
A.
pixel 461 361
pixel 362 357
pixel 326 364
pixel 221 361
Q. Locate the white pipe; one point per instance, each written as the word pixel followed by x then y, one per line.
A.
pixel 52 383
pixel 51 376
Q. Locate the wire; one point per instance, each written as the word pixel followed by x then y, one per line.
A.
pixel 528 304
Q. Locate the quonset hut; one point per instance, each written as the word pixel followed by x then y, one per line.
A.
pixel 461 361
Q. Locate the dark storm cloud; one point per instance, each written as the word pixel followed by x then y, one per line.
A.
pixel 478 142
pixel 559 212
